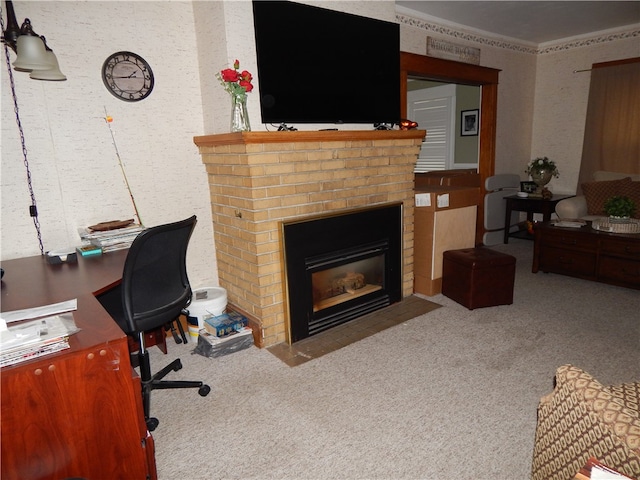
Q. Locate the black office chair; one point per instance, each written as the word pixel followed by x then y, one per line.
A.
pixel 154 291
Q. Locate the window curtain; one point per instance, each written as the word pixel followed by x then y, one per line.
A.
pixel 612 128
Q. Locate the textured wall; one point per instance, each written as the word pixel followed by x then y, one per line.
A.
pixel 76 177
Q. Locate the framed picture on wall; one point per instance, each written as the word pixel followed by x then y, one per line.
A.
pixel 469 122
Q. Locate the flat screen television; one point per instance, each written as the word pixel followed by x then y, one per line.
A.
pixel 325 67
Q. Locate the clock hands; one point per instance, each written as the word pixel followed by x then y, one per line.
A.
pixel 132 75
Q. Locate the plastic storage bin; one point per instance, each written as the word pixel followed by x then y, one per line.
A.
pixel 206 302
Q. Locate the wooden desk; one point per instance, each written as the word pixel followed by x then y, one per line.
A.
pixel 76 413
pixel 530 205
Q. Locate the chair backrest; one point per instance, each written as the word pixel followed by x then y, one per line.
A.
pixel 155 286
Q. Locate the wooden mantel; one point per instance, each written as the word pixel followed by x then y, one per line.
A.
pixel 241 138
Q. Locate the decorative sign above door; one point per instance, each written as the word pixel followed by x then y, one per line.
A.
pixel 452 51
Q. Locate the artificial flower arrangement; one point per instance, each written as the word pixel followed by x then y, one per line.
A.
pixel 540 164
pixel 236 82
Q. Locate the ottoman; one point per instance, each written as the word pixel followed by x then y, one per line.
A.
pixel 478 277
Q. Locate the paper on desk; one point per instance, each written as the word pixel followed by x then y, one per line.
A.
pixel 34 338
pixel 43 311
pixel 603 473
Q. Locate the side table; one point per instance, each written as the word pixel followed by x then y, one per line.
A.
pixel 530 205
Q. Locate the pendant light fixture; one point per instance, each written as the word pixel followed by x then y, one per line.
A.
pixel 33 53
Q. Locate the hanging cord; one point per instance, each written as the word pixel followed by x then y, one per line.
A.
pixel 109 119
pixel 33 209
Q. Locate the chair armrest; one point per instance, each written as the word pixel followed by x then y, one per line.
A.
pixel 574 207
pixel 583 419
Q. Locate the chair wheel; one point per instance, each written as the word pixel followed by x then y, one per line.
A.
pixel 177 366
pixel 152 423
pixel 204 390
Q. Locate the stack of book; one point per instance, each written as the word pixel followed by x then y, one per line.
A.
pixel 34 338
pixel 110 240
pixel 224 334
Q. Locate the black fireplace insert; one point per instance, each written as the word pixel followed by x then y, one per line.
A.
pixel 342 266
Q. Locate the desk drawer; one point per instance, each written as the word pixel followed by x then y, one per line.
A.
pixel 568 262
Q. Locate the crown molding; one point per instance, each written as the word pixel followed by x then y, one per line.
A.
pixel 481 37
pixel 594 38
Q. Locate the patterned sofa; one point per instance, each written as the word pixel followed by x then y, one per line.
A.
pixel 582 418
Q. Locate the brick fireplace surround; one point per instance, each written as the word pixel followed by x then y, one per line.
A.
pixel 259 179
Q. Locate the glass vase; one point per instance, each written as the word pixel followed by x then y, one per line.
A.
pixel 239 115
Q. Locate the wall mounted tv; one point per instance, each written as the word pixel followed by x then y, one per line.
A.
pixel 322 66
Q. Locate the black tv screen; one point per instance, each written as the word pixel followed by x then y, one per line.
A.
pixel 321 66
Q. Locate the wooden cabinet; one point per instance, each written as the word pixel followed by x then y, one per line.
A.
pixel 76 413
pixel 442 225
pixel 74 416
pixel 589 254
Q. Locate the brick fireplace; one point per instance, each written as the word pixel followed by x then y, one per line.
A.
pixel 258 180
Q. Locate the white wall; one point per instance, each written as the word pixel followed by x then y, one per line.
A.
pixel 74 167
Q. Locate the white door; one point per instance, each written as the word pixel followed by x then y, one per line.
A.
pixel 434 110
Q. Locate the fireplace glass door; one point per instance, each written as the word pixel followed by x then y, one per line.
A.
pixel 333 285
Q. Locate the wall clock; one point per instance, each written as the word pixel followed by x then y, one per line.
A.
pixel 127 76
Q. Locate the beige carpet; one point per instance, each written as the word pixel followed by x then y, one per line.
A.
pixel 450 394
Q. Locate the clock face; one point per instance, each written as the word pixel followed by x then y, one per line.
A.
pixel 127 76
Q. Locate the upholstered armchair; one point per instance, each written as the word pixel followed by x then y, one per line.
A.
pixel 582 418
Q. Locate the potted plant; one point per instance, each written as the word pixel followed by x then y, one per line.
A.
pixel 619 208
pixel 541 170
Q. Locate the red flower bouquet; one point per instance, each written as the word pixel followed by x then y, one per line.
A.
pixel 234 81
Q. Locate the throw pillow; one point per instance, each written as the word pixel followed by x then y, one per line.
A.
pixel 596 193
pixel 632 190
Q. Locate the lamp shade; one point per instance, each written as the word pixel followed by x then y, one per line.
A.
pixel 53 73
pixel 31 54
